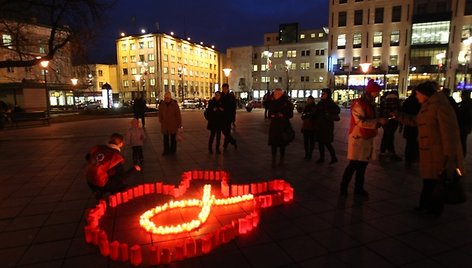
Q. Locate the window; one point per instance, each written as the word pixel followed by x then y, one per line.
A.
pixel 341 41
pixel 466 32
pixel 134 71
pixel 342 1
pixel 357 40
pixel 395 38
pixel 430 33
pixel 125 71
pixel 302 36
pixel 152 81
pixel 377 39
pixel 342 18
pixel 291 54
pixel 6 40
pixel 166 57
pixel 133 58
pixel 264 67
pixel 100 72
pixel 305 53
pixel 141 58
pixel 312 35
pixel 396 13
pixel 358 14
pixel 152 69
pixel 376 61
pixel 150 44
pixel 132 46
pixel 393 61
pixel 379 15
pixel 319 65
pixel 10 69
pixel 320 35
pixel 125 83
pixel 124 59
pixel 356 61
pixel 141 45
pixel 305 79
pixel 468 7
pixel 254 68
pixel 305 66
pixel 278 54
pixel 151 57
pixel 123 47
pixel 165 70
pixel 265 79
pixel 319 52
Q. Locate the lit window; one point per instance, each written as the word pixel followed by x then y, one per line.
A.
pixel 341 41
pixel 132 46
pixel 254 68
pixel 152 69
pixel 123 47
pixel 302 36
pixel 151 57
pixel 377 39
pixel 150 44
pixel 291 54
pixel 124 59
pixel 141 45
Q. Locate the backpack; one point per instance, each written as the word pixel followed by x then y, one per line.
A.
pixel 101 159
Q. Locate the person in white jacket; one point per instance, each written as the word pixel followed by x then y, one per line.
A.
pixel 135 137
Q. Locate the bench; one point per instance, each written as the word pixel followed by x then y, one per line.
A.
pixel 18 117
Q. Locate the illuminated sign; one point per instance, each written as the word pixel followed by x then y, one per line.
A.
pixel 185 226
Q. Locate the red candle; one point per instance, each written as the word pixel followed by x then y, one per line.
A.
pixel 166 256
pixel 234 190
pixel 95 233
pixel 112 201
pixel 159 187
pixel 198 247
pixel 207 244
pixel 253 188
pixel 179 251
pixel 151 188
pixel 136 191
pixel 155 255
pixel 123 252
pixel 136 256
pixel 103 244
pixel 114 250
pixel 246 189
pixel 88 231
pixel 125 196
pixel 190 250
pixel 194 175
pixel 140 190
pixel 206 176
pixel 240 189
pixel 130 194
pixel 260 187
pixel 242 226
pixel 118 198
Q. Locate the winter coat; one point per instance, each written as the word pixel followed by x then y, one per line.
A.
pixel 229 103
pixel 139 107
pixel 326 111
pixel 411 106
pixel 361 147
pixel 280 112
pixel 438 135
pixel 135 136
pixel 308 117
pixel 169 117
pixel 216 116
pixel 465 116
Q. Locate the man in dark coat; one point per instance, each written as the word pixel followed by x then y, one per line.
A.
pixel 465 118
pixel 229 105
pixel 326 113
pixel 411 107
pixel 139 108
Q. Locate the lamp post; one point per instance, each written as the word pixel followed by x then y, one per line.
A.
pixel 468 43
pixel 45 64
pixel 365 69
pixel 288 64
pixel 143 71
pixel 181 72
pixel 440 58
pixel 267 54
pixel 74 84
pixel 227 72
pixel 137 77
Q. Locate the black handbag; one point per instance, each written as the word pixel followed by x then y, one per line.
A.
pixel 287 135
pixel 453 189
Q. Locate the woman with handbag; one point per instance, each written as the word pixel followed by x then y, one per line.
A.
pixel 439 143
pixel 280 130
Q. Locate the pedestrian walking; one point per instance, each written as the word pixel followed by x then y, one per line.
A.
pixel 134 138
pixel 411 107
pixel 362 131
pixel 265 103
pixel 327 112
pixel 139 109
pixel 465 118
pixel 280 130
pixel 171 121
pixel 229 105
pixel 214 113
pixel 105 171
pixel 308 126
pixel 439 142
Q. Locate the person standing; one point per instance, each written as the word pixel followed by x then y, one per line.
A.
pixel 308 126
pixel 265 102
pixel 229 105
pixel 214 113
pixel 326 113
pixel 411 107
pixel 280 112
pixel 135 137
pixel 439 142
pixel 465 118
pixel 362 131
pixel 139 109
pixel 389 104
pixel 171 122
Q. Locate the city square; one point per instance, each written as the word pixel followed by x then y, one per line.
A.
pixel 45 200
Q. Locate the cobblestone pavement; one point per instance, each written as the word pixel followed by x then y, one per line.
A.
pixel 44 198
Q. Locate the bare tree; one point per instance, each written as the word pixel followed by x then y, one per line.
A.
pixel 68 21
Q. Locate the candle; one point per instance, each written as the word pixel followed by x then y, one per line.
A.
pixel 118 198
pixel 207 243
pixel 159 187
pixel 190 250
pixel 124 252
pixel 114 250
pixel 136 255
pixel 88 232
pixel 125 196
pixel 242 226
pixel 112 201
pixel 103 244
pixel 154 255
pixel 198 247
pixel 179 251
pixel 166 256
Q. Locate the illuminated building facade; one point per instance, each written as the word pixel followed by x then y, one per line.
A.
pixel 154 63
pixel 404 42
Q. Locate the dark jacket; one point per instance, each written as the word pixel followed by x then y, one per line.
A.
pixel 229 103
pixel 308 117
pixel 280 112
pixel 326 111
pixel 139 107
pixel 465 115
pixel 215 115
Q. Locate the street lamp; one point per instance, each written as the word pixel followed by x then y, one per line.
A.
pixel 440 58
pixel 74 84
pixel 468 43
pixel 143 69
pixel 288 64
pixel 365 69
pixel 181 72
pixel 227 71
pixel 45 64
pixel 137 77
pixel 267 54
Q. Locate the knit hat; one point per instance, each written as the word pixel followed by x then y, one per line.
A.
pixel 372 86
pixel 427 88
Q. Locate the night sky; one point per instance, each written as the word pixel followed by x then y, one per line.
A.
pixel 223 23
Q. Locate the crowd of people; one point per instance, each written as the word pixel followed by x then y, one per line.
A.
pixel 432 139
